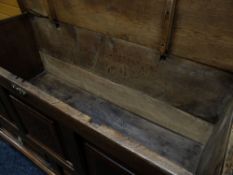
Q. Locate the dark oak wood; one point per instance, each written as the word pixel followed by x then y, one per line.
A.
pixel 85 130
pixel 203 88
pixel 100 164
pixel 182 151
pixel 6 121
pixel 10 117
pixel 9 127
pixel 25 56
pixel 74 150
pixel 53 160
pixel 106 103
pixel 38 127
pixel 147 107
pixel 2 107
pixel 203 29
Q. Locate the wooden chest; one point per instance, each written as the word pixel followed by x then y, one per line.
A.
pixel 119 87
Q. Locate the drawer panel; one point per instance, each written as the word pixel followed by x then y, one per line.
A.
pixel 39 128
pixel 99 163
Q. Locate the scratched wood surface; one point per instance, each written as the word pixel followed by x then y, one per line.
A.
pixel 131 100
pixel 203 29
pixel 136 21
pixel 203 89
pixel 82 123
pixel 181 150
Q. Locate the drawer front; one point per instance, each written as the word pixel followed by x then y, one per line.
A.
pixel 39 128
pixel 100 164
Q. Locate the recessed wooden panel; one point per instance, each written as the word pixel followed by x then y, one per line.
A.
pixel 5 107
pixel 4 114
pixel 6 120
pixel 100 164
pixel 39 128
pixel 9 127
pixel 2 110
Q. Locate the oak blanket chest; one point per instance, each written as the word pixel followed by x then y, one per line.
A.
pixel 119 87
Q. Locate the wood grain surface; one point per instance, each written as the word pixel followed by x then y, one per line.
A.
pixel 13 3
pixel 203 88
pixel 132 100
pixel 9 8
pixel 181 150
pixel 204 32
pixel 106 137
pixel 203 29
